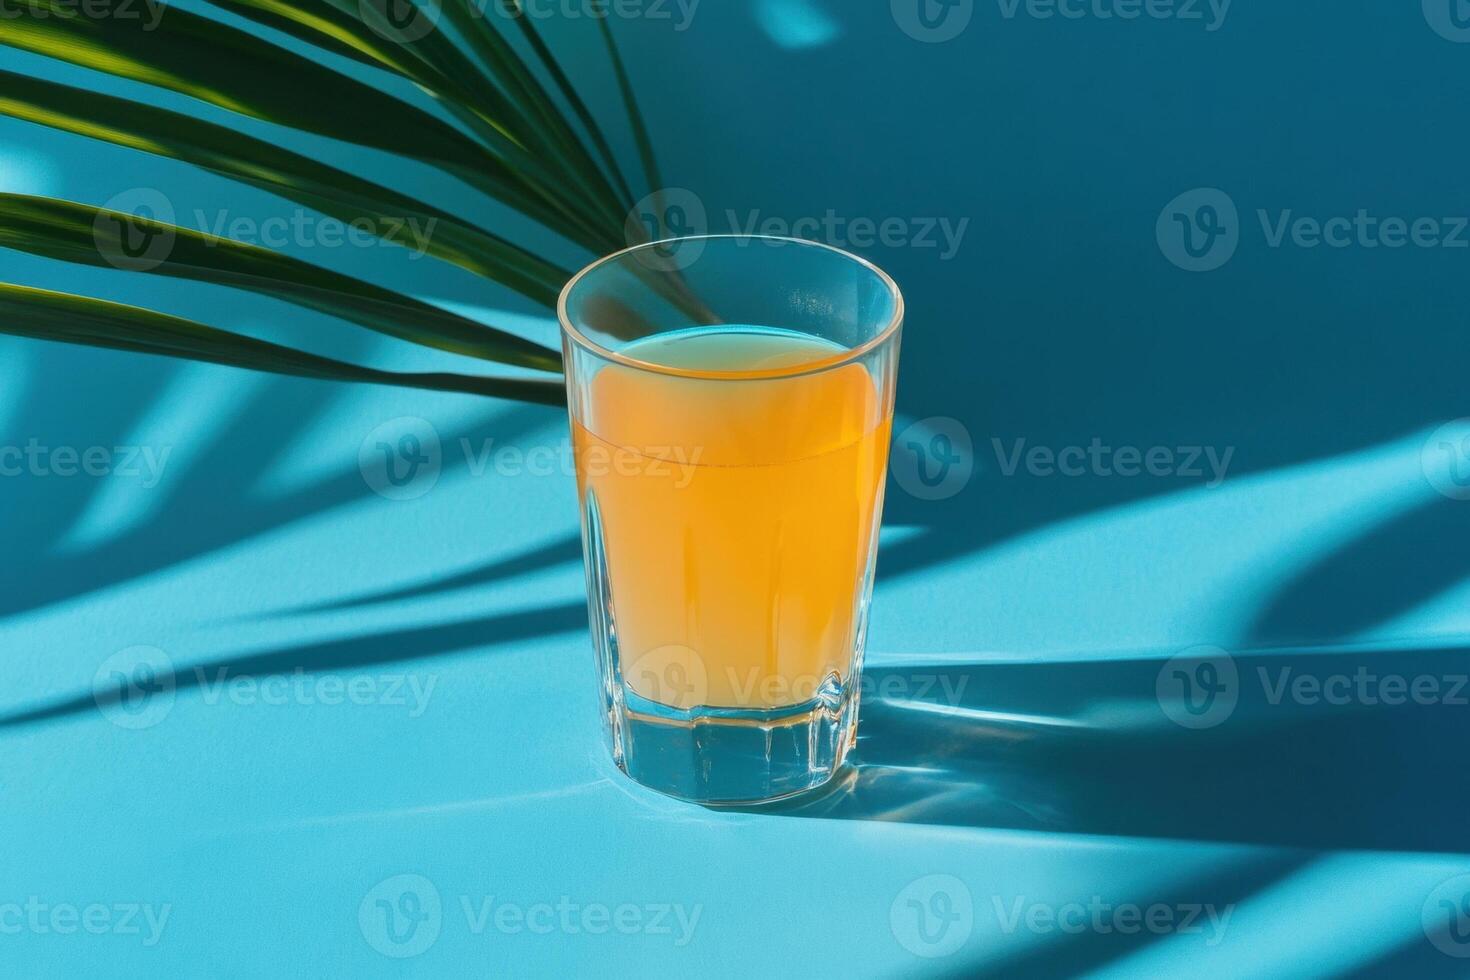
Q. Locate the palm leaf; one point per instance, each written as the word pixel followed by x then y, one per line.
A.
pixel 438 67
pixel 259 163
pixel 496 53
pixel 436 64
pixel 65 318
pixel 630 104
pixel 233 70
pixel 326 26
pixel 229 68
pixel 513 142
pixel 432 61
pixel 99 237
pixel 569 92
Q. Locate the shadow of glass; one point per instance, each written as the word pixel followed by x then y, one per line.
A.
pixel 1300 759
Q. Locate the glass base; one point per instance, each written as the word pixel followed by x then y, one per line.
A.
pixel 733 756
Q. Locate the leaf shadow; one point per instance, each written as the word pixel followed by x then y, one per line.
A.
pixel 563 550
pixel 208 507
pixel 1073 954
pixel 396 646
pixel 1413 958
pixel 58 410
pixel 1373 578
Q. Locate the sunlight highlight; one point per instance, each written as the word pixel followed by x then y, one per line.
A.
pixel 26 172
pixel 797 24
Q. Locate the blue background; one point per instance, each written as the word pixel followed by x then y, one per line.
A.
pixel 1054 777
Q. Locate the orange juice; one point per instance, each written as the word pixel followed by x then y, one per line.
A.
pixel 736 518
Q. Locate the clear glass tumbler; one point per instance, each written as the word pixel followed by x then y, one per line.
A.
pixel 731 402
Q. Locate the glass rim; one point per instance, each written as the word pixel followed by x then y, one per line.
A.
pixel 889 331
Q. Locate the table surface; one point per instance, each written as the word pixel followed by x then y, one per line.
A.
pixel 260 806
pixel 373 748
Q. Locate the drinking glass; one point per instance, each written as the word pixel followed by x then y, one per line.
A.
pixel 731 401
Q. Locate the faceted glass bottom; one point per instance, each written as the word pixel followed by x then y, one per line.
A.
pixel 733 757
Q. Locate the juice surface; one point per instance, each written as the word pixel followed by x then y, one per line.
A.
pixel 737 517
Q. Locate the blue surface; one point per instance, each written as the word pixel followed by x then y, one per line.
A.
pixel 1016 756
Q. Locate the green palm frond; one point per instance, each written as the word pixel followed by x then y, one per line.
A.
pixel 635 115
pixel 62 317
pixel 563 84
pixel 265 165
pixel 510 140
pixel 102 237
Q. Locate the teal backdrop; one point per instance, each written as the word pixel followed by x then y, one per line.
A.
pixel 1173 602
